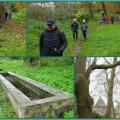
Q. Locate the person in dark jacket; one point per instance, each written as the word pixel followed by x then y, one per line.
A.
pixel 84 28
pixel 6 15
pixel 75 27
pixel 112 19
pixel 53 42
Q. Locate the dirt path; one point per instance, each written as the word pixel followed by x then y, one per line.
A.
pixel 76 50
pixel 14 27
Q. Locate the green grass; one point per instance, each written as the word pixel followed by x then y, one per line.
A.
pixel 6 110
pixel 20 17
pixel 102 40
pixel 13 36
pixel 12 44
pixel 54 74
pixel 36 27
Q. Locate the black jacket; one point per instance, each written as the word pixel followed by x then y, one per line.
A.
pixel 74 26
pixel 52 43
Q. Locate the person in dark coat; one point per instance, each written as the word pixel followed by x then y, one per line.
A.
pixel 53 41
pixel 112 19
pixel 84 28
pixel 6 15
pixel 74 28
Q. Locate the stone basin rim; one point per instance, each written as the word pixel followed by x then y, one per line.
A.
pixel 45 87
pixel 59 96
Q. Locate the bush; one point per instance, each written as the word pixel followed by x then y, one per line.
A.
pixel 19 17
pixel 81 15
pixel 14 9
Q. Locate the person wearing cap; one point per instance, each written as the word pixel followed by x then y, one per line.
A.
pixel 84 28
pixel 74 28
pixel 53 42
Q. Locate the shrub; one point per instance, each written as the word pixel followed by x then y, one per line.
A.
pixel 81 15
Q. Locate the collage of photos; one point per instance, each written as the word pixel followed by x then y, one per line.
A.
pixel 59 60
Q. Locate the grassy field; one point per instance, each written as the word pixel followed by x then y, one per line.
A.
pixel 6 109
pixel 13 36
pixel 103 40
pixel 36 27
pixel 57 74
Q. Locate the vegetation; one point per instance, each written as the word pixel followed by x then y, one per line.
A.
pixel 103 40
pixel 6 110
pixel 13 33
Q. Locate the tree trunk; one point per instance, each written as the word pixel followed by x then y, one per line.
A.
pixel 91 10
pixel 2 11
pixel 109 109
pixel 84 100
pixel 113 109
pixel 104 8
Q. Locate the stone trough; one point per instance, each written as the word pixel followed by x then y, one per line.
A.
pixel 32 99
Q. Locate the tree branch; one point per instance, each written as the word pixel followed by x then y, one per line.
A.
pixel 94 66
pixel 102 66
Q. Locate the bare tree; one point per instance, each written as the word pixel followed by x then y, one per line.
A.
pixel 110 106
pixel 84 100
pixel 104 7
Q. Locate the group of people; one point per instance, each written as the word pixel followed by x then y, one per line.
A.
pixel 75 28
pixel 53 41
pixel 106 19
pixel 8 15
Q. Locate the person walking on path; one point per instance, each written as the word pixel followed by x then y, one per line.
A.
pixel 6 15
pixel 10 14
pixel 101 20
pixel 112 19
pixel 53 41
pixel 106 19
pixel 84 28
pixel 74 28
